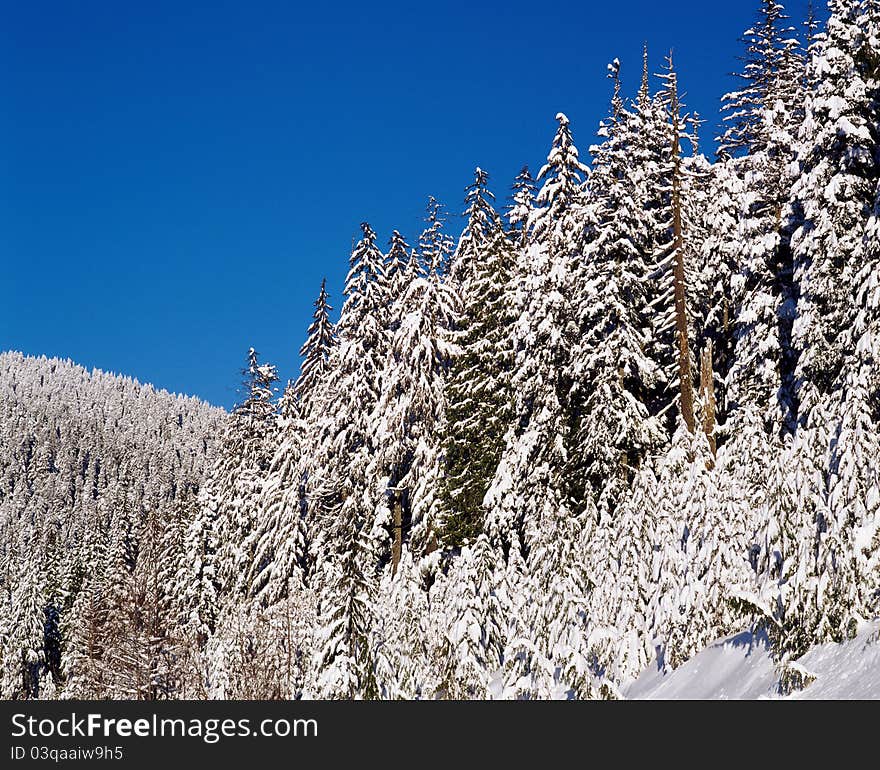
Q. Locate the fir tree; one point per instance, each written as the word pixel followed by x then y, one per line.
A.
pixel 412 406
pixel 315 352
pixel 478 393
pixel 611 375
pixel 245 457
pixel 833 199
pixel 522 204
pixel 532 468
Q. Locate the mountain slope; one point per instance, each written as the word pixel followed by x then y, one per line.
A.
pixel 92 467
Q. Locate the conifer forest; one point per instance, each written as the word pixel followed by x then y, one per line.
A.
pixel 632 408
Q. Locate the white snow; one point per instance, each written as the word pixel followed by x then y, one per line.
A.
pixel 740 667
pixel 849 671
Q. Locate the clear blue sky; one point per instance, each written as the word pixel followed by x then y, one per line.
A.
pixel 177 177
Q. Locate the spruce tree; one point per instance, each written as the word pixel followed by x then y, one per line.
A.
pixel 315 352
pixel 475 636
pixel 412 406
pixel 283 542
pixel 532 467
pixel 611 375
pixel 351 536
pixel 478 392
pixel 764 116
pixel 833 199
pixel 522 204
pixel 244 460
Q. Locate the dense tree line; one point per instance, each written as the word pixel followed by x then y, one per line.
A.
pixel 630 412
pixel 99 476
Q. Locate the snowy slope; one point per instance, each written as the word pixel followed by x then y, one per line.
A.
pixel 741 668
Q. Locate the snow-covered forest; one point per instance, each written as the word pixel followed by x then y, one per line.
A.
pixel 98 476
pixel 632 409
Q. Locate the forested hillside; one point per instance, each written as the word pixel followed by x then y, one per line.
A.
pixel 98 474
pixel 631 410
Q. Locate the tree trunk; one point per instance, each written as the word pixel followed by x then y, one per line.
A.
pixel 681 323
pixel 707 393
pixel 397 526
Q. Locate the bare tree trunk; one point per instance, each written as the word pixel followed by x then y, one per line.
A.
pixel 707 393
pixel 397 525
pixel 681 323
pixel 289 635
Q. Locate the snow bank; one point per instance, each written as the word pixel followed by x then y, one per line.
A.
pixel 742 668
pixel 850 670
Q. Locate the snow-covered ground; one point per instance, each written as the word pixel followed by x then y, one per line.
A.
pixel 741 667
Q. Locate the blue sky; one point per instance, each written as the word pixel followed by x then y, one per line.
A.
pixel 177 177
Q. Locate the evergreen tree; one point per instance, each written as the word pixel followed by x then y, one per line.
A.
pixel 412 406
pixel 765 115
pixel 833 199
pixel 24 653
pixel 519 212
pixel 245 455
pixel 403 669
pixel 475 641
pixel 283 542
pixel 315 352
pixel 352 540
pixel 610 371
pixel 478 392
pixel 769 62
pixel 346 657
pixel 532 468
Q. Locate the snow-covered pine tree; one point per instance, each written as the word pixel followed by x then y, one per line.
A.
pixel 849 553
pixel 655 164
pixel 620 632
pixel 834 197
pixel 813 37
pixel 712 212
pixel 786 594
pixel 351 539
pixel 345 656
pixel 559 621
pixel 403 664
pixel 770 55
pixel 216 569
pixel 124 659
pixel 481 223
pixel 24 651
pixel 399 264
pixel 522 204
pixel 154 642
pixel 282 548
pixel 519 216
pixel 715 537
pixel 282 543
pixel 315 352
pixel 198 585
pixel 401 267
pixel 610 372
pixel 531 471
pixel 412 406
pixel 475 606
pixel 763 118
pixel 83 622
pixel 236 483
pixel 478 394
